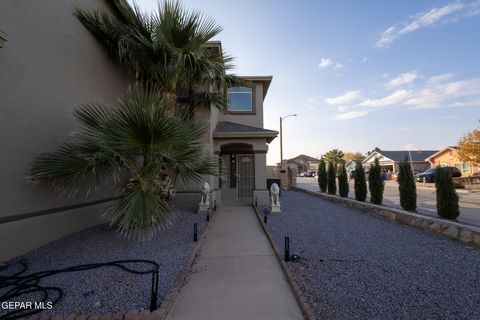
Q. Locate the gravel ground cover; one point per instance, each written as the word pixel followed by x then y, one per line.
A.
pixel 355 266
pixel 110 289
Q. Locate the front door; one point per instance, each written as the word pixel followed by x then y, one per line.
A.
pixel 246 174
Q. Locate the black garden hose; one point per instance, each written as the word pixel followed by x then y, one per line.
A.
pixel 18 284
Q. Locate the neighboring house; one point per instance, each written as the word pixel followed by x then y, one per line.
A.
pixel 302 163
pixel 390 160
pixel 51 64
pixel 448 157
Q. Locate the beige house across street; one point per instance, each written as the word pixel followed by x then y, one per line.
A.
pixel 448 157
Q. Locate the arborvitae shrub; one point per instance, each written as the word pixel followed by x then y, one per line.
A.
pixel 447 198
pixel 343 182
pixel 332 179
pixel 375 183
pixel 360 185
pixel 407 187
pixel 322 175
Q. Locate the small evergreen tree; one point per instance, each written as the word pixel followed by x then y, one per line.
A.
pixel 332 179
pixel 343 182
pixel 360 185
pixel 447 198
pixel 375 183
pixel 322 175
pixel 407 187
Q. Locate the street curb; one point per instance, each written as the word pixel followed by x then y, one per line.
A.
pixel 169 299
pixel 307 313
pixel 466 234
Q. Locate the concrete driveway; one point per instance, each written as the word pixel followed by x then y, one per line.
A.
pixel 426 199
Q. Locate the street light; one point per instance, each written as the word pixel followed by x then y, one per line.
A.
pixel 281 137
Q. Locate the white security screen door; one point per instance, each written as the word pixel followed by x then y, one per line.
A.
pixel 246 174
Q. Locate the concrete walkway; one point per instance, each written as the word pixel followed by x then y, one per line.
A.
pixel 236 275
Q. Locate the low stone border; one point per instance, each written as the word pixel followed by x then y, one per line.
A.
pixel 165 306
pixel 307 313
pixel 466 234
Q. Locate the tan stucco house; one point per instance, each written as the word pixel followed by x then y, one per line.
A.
pixel 49 65
pixel 448 157
pixel 302 163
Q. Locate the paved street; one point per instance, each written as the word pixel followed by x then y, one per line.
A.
pixel 426 199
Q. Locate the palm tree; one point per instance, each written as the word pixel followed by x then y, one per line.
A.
pixel 334 156
pixel 169 48
pixel 139 145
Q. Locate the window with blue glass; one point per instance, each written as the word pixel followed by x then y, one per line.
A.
pixel 240 99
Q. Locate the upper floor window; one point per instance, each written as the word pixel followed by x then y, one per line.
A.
pixel 240 99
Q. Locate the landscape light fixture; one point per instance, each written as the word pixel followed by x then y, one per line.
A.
pixel 195 233
pixel 287 249
pixel 3 39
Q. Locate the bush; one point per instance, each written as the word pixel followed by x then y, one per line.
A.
pixel 447 198
pixel 332 179
pixel 375 183
pixel 360 184
pixel 343 182
pixel 407 187
pixel 322 176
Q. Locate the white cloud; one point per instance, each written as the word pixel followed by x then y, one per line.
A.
pixel 364 59
pixel 393 98
pixel 404 78
pixel 440 78
pixel 346 98
pixel 424 19
pixel 430 17
pixel 329 63
pixel 337 66
pixel 351 115
pixel 436 92
pixel 324 63
pixel 453 93
pixel 311 99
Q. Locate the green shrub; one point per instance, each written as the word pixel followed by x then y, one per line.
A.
pixel 375 183
pixel 407 187
pixel 360 185
pixel 322 175
pixel 343 182
pixel 447 198
pixel 332 179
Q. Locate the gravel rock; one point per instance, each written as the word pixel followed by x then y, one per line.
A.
pixel 115 290
pixel 356 266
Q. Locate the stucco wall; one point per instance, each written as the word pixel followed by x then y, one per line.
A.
pixel 450 158
pixel 49 65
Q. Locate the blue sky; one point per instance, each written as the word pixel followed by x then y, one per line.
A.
pixel 359 74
